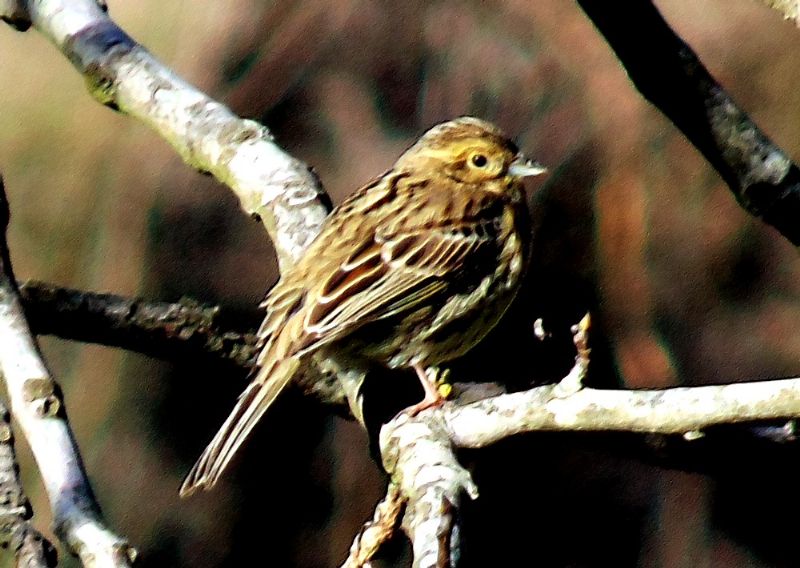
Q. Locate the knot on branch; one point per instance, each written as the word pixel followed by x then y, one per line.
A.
pixel 42 394
pixel 93 50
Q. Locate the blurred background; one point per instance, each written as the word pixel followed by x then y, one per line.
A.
pixel 632 224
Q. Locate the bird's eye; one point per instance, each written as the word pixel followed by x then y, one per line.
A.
pixel 479 160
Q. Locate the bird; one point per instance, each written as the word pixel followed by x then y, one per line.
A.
pixel 409 272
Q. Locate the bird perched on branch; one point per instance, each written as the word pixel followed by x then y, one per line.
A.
pixel 410 271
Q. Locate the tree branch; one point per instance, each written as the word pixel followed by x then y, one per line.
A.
pixel 39 409
pixel 270 184
pixel 158 329
pixel 16 533
pixel 684 410
pixel 668 73
pixel 173 331
pixel 120 73
pixel 420 452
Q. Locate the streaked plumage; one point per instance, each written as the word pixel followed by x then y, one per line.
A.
pixel 410 271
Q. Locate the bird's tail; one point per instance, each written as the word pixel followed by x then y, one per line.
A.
pixel 253 402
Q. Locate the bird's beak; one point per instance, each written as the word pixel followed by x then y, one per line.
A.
pixel 523 167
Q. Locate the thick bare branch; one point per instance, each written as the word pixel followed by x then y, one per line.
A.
pixel 31 549
pixel 270 184
pixel 39 409
pixel 668 73
pixel 418 454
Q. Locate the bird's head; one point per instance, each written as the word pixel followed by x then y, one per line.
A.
pixel 472 151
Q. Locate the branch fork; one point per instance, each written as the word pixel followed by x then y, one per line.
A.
pixel 419 453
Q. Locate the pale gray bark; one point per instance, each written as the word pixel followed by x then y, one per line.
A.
pixel 38 408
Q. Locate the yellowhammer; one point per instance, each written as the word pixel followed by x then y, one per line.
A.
pixel 410 271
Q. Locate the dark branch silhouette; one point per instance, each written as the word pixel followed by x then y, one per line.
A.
pixel 669 74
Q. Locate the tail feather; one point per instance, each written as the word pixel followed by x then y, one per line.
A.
pixel 250 407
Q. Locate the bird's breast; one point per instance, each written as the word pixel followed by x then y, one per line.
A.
pixel 458 319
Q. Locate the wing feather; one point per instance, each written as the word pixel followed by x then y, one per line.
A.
pixel 399 273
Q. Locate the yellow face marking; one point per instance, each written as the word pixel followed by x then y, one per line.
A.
pixel 469 160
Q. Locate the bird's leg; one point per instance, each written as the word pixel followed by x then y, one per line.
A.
pixel 432 395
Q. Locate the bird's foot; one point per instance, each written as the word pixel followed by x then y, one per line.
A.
pixel 430 401
pixel 440 378
pixel 433 384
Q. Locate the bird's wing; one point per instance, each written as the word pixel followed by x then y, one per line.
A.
pixel 395 273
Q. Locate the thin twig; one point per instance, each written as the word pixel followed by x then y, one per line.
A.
pixel 377 531
pixel 669 411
